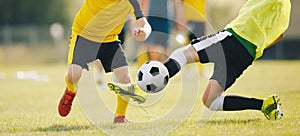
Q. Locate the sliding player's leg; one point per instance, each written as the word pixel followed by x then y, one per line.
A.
pixel 214 100
pixel 235 60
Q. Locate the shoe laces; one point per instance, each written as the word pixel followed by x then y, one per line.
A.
pixel 131 89
pixel 68 99
pixel 270 108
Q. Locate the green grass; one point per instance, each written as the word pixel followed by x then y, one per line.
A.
pixel 28 107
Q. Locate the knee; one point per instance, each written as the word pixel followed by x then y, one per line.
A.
pixel 211 93
pixel 121 75
pixel 186 54
pixel 214 103
pixel 208 98
pixel 123 79
pixel 205 101
pixel 74 73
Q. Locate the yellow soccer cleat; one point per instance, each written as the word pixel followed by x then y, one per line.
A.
pixel 271 109
pixel 132 91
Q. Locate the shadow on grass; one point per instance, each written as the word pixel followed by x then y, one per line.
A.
pixel 57 128
pixel 232 121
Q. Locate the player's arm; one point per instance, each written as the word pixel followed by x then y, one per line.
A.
pixel 276 41
pixel 140 28
pixel 145 4
pixel 179 16
pixel 137 8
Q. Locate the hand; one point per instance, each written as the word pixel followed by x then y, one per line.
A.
pixel 141 30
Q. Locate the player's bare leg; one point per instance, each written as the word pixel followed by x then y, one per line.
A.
pixel 121 76
pixel 71 79
pixel 125 88
pixel 214 100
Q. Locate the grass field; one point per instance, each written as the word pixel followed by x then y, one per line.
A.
pixel 29 107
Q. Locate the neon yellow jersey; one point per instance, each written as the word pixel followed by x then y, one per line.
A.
pixel 194 10
pixel 101 20
pixel 261 22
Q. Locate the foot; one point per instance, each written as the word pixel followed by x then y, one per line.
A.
pixel 271 108
pixel 120 119
pixel 133 92
pixel 65 103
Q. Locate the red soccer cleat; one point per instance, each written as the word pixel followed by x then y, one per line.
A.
pixel 65 103
pixel 120 119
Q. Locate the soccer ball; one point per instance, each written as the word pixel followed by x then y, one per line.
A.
pixel 152 76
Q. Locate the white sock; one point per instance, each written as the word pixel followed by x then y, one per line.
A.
pixel 100 76
pixel 217 104
pixel 179 56
pixel 114 79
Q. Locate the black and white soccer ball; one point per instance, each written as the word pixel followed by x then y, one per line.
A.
pixel 152 76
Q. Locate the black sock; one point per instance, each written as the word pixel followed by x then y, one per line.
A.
pixel 233 103
pixel 172 66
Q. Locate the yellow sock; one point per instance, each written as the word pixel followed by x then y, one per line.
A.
pixel 71 87
pixel 142 58
pixel 200 67
pixel 122 105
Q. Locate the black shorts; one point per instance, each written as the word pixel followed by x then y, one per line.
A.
pixel 229 56
pixel 110 54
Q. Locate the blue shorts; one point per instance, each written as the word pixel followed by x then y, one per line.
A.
pixel 160 31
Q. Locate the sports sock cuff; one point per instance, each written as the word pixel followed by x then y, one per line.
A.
pixel 71 87
pixel 122 85
pixel 179 56
pixel 217 104
pixel 172 66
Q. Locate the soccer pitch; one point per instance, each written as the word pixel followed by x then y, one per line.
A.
pixel 29 106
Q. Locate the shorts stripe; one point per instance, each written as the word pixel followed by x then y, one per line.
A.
pixel 73 41
pixel 209 40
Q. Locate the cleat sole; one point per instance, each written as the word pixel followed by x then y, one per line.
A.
pixel 122 92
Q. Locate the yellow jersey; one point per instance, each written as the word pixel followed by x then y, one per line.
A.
pixel 261 22
pixel 102 20
pixel 194 10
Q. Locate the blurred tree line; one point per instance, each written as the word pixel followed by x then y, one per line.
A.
pixel 33 12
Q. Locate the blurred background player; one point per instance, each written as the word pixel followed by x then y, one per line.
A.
pixel 95 36
pixel 259 25
pixel 193 17
pixel 156 46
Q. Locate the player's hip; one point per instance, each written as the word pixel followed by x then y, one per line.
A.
pixel 83 51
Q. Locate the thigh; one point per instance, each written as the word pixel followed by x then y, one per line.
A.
pixel 237 60
pixel 229 56
pixel 82 51
pixel 209 47
pixel 112 56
